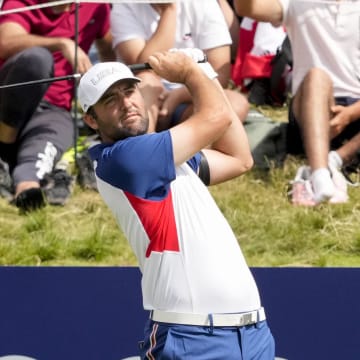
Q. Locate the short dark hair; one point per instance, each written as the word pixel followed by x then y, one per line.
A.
pixel 91 111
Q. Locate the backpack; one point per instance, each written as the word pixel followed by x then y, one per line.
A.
pixel 280 65
pixel 267 139
pixel 263 63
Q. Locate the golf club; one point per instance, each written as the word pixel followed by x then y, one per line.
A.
pixel 133 67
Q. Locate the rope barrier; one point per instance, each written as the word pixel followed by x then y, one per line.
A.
pixel 64 2
pixel 75 98
pixel 330 2
pixel 35 7
pixel 42 81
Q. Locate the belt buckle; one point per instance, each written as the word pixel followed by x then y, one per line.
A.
pixel 245 319
pixel 248 319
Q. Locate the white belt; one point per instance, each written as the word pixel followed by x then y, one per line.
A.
pixel 237 319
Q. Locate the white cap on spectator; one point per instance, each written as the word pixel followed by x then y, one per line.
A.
pixel 98 79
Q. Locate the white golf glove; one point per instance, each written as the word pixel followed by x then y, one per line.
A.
pixel 199 57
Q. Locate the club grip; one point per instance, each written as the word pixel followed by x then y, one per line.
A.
pixel 139 67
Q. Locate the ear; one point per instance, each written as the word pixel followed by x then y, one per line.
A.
pixel 90 121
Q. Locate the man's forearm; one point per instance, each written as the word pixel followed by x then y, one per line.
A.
pixel 260 10
pixel 355 111
pixel 14 44
pixel 205 96
pixel 104 47
pixel 234 141
pixel 164 36
pixel 243 7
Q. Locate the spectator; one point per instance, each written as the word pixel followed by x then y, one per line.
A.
pixel 325 108
pixel 140 29
pixel 202 298
pixel 35 121
pixel 233 24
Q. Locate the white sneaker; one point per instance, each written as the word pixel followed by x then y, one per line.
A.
pixel 322 185
pixel 340 196
pixel 301 192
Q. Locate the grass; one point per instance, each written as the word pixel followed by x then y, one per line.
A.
pixel 269 229
pixel 274 233
pixel 81 233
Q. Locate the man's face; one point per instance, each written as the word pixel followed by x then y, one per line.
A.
pixel 120 112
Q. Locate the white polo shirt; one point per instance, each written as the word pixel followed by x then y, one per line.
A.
pixel 325 34
pixel 200 23
pixel 189 257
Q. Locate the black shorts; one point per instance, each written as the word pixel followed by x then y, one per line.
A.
pixel 294 142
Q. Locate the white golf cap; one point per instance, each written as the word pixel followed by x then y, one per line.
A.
pixel 98 79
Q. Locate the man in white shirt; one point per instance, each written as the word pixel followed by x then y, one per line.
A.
pixel 325 109
pixel 140 29
pixel 203 300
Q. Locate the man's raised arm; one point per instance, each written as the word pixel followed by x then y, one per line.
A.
pixel 213 123
pixel 260 10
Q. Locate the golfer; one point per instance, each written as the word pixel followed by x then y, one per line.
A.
pixel 201 296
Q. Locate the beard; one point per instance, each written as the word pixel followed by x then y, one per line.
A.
pixel 140 128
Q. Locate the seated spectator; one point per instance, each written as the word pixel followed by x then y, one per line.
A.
pixel 36 126
pixel 140 29
pixel 233 23
pixel 324 114
pixel 259 42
